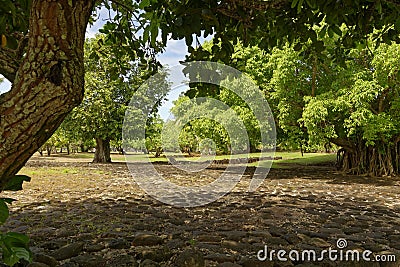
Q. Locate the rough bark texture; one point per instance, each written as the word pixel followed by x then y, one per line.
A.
pixel 48 81
pixel 378 160
pixel 102 154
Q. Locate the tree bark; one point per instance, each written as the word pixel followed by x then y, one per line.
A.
pixel 379 160
pixel 48 82
pixel 102 153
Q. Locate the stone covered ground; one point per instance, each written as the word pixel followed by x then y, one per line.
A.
pixel 83 214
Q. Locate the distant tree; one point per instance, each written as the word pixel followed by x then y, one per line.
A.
pixel 361 111
pixel 101 114
pixel 203 121
pixel 153 135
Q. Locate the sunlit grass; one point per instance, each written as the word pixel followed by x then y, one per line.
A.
pixel 288 158
pixel 54 171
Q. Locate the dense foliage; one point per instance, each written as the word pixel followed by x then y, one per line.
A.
pixel 360 112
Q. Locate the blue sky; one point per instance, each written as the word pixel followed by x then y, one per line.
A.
pixel 174 52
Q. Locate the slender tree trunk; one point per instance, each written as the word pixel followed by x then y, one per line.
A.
pixel 314 77
pixel 48 82
pixel 83 148
pixel 102 153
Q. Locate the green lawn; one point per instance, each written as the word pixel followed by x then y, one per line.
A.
pixel 288 158
pixel 294 158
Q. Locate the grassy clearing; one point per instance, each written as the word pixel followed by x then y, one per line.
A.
pixel 288 158
pixel 58 171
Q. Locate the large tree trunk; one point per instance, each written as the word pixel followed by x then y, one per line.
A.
pixel 102 153
pixel 378 160
pixel 47 82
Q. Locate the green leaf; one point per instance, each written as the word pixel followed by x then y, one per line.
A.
pixel 4 212
pixel 22 253
pixel 15 184
pixel 299 6
pixel 397 25
pixel 146 34
pixel 15 247
pixel 379 6
pixel 336 30
pixel 17 239
pixel 312 4
pixel 8 200
pixel 294 3
pixel 154 34
pixel 144 3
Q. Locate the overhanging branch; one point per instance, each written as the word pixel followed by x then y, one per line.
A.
pixel 346 144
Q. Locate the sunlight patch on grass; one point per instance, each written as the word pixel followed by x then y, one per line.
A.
pixel 290 159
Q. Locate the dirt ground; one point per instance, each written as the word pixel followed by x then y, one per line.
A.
pixel 84 214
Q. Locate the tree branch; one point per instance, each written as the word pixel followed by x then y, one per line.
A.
pixel 229 8
pixel 346 144
pixel 8 63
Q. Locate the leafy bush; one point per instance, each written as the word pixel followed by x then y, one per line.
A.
pixel 13 246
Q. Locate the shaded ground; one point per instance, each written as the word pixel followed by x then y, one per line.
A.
pixel 98 215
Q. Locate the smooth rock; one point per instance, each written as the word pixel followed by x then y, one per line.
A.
pixel 228 264
pixel 148 263
pixel 46 259
pixel 221 258
pixel 54 244
pixel 94 247
pixel 319 243
pixel 235 235
pixel 68 251
pixel 256 263
pixel 157 255
pixel 208 238
pixel 37 264
pixel 119 243
pixel 190 258
pixel 88 260
pixel 147 240
pixel 124 260
pixel 175 243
